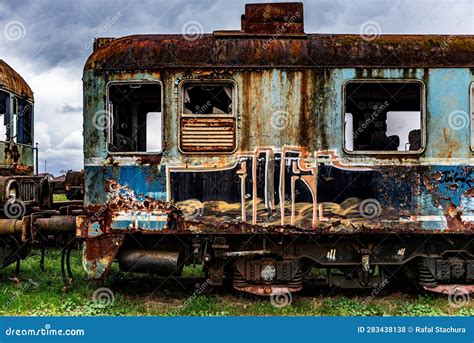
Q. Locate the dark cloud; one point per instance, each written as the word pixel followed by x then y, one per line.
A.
pixel 49 41
pixel 61 32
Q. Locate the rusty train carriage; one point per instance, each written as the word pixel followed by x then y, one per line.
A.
pixel 28 216
pixel 267 151
pixel 17 180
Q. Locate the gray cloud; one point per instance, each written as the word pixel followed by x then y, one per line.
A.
pixel 71 109
pixel 55 39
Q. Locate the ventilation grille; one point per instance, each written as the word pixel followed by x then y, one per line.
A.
pixel 207 134
pixel 27 191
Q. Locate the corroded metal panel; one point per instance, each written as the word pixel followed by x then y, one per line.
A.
pixel 207 134
pixel 231 49
pixel 12 81
pixel 289 168
pixel 284 168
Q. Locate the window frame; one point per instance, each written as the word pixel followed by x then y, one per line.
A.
pixel 9 131
pixel 14 127
pixel 388 152
pixel 106 130
pixel 180 113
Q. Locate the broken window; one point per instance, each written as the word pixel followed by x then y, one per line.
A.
pixel 24 121
pixel 208 99
pixel 4 116
pixel 208 117
pixel 135 122
pixel 383 116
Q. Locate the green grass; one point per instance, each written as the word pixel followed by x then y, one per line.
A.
pixel 59 197
pixel 41 294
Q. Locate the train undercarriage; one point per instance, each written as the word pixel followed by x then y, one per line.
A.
pixel 31 219
pixel 271 264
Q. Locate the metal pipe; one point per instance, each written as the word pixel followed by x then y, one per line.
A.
pixel 36 159
pixel 245 253
pixel 163 263
pixel 10 226
pixel 56 224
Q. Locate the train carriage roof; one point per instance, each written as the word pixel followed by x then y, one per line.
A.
pixel 238 49
pixel 12 81
pixel 272 35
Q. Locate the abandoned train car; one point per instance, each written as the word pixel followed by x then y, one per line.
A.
pixel 17 153
pixel 28 216
pixel 265 152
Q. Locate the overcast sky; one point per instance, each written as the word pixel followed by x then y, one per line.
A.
pixel 48 42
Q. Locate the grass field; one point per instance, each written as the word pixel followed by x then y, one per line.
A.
pixel 41 294
pixel 59 197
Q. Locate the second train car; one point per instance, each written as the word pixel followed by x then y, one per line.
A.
pixel 266 152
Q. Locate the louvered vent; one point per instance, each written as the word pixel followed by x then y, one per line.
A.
pixel 207 134
pixel 27 191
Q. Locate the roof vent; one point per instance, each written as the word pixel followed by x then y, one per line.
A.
pixel 285 18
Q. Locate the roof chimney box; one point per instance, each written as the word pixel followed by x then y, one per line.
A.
pixel 284 18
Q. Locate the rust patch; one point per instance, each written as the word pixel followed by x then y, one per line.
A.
pixel 12 81
pixel 231 49
pixel 152 160
pixel 207 134
pixel 268 290
pixel 451 289
pixel 99 253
